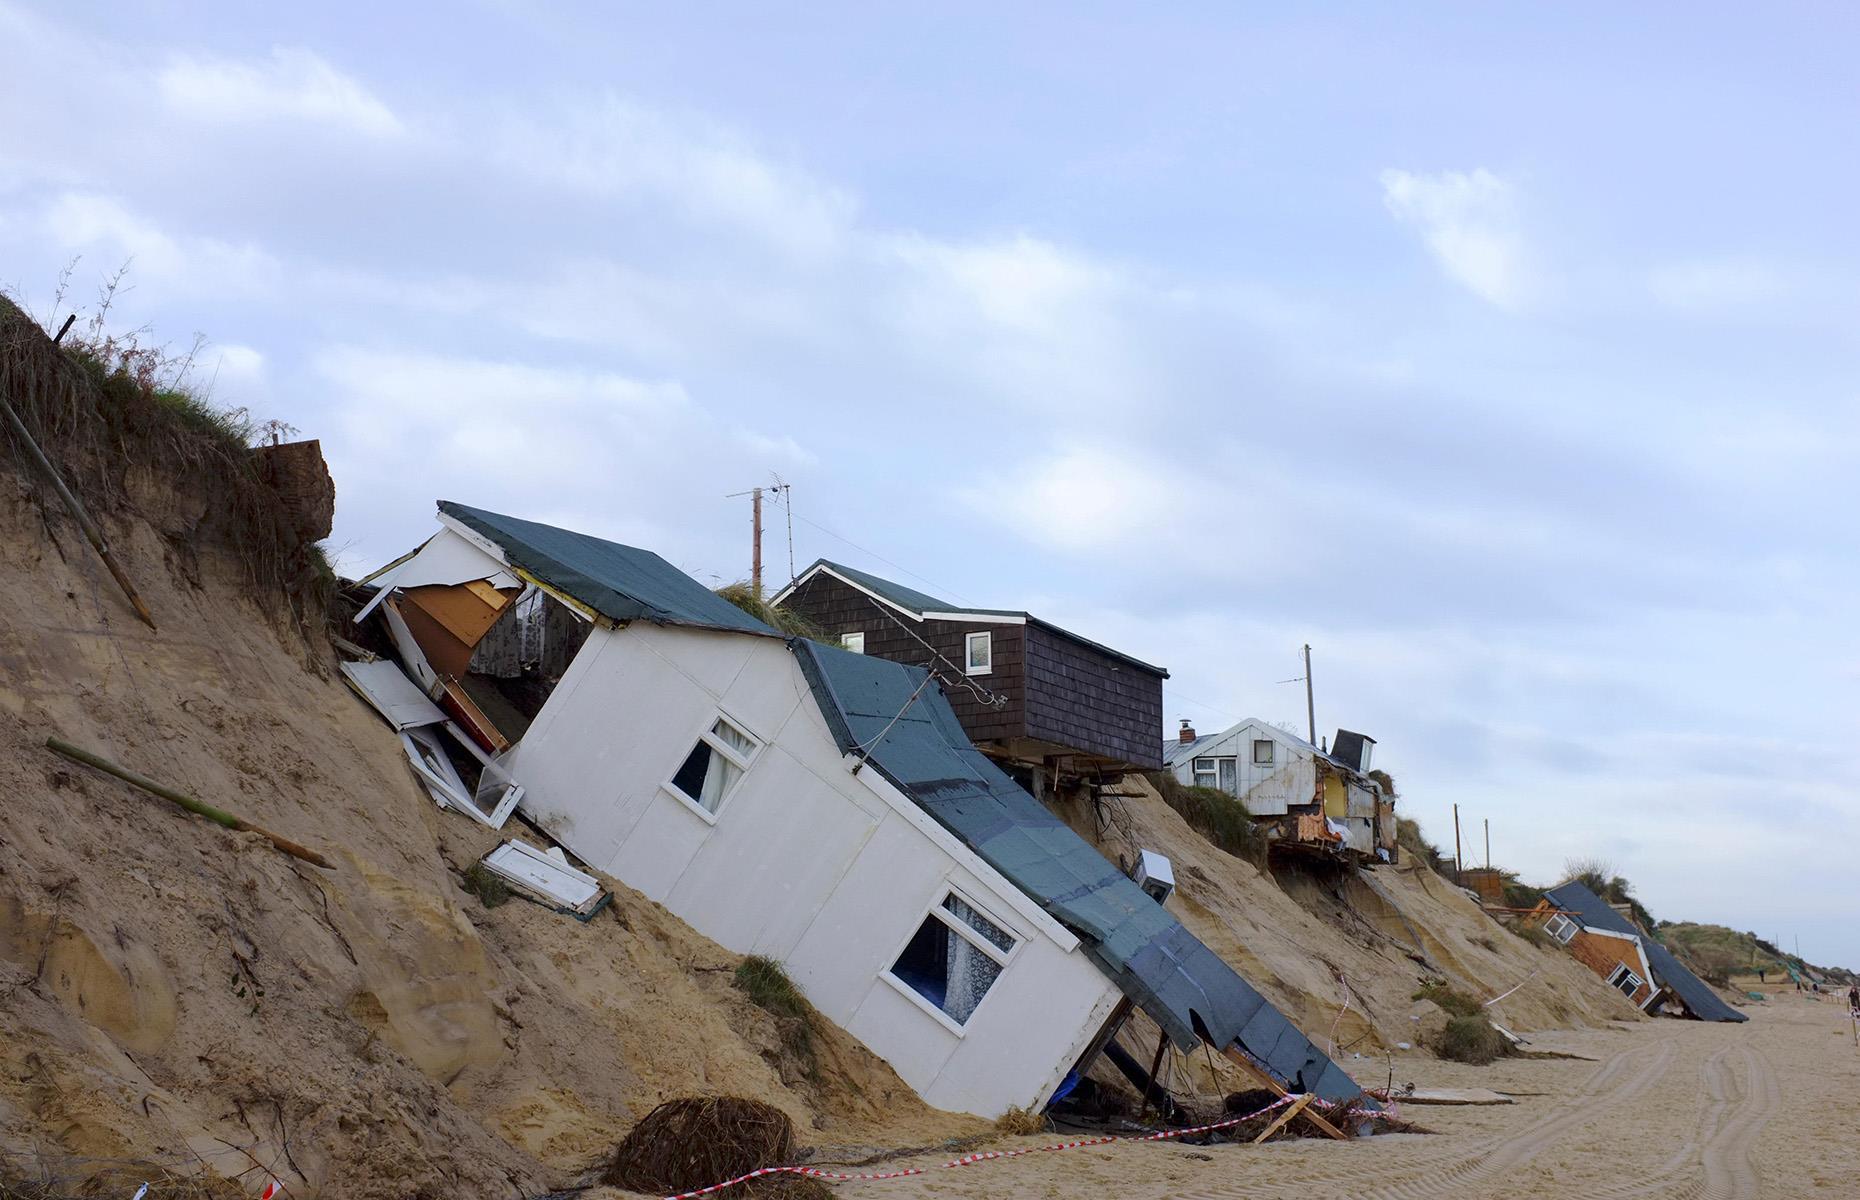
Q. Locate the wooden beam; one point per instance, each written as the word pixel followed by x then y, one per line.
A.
pixel 1149 1088
pixel 1239 1059
pixel 1303 1102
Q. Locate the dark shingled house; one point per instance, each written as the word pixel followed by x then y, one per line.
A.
pixel 1037 698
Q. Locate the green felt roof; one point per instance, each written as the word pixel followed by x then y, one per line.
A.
pixel 622 583
pixel 1154 960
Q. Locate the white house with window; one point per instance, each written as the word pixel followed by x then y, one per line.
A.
pixel 696 766
pixel 1281 777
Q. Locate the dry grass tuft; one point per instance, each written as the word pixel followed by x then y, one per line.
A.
pixel 769 989
pixel 1020 1122
pixel 1220 818
pixel 1450 1001
pixel 1471 1040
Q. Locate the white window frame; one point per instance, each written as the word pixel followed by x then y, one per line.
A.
pixel 987 639
pixel 1621 974
pixel 1272 750
pixel 1002 958
pixel 1563 934
pixel 719 746
pixel 854 642
pixel 1212 771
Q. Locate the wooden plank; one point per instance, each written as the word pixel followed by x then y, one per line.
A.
pixel 1285 1118
pixel 1454 1096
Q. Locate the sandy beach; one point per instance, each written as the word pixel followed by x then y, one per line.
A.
pixel 1658 1109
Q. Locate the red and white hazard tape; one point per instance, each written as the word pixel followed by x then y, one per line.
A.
pixel 986 1156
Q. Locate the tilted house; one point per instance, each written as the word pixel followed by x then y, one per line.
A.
pixel 1307 798
pixel 825 809
pixel 1625 956
pixel 1046 702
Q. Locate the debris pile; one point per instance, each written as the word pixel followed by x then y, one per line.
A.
pixel 695 1141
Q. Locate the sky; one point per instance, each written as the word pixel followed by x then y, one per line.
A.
pixel 1507 356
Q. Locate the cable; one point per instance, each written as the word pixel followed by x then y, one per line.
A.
pixel 962 680
pixel 881 558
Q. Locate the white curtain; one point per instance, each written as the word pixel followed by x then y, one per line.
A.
pixel 971 972
pixel 717 779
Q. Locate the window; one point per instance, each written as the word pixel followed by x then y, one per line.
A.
pixel 1561 928
pixel 1625 981
pixel 978 653
pixel 953 959
pixel 1217 771
pixel 710 771
pixel 1262 752
pixel 853 641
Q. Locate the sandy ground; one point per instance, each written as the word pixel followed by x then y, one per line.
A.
pixel 1655 1108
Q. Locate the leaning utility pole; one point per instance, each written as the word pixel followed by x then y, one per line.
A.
pixel 1310 704
pixel 1458 865
pixel 755 553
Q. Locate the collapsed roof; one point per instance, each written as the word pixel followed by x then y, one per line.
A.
pixel 909 734
pixel 1596 913
pixel 621 583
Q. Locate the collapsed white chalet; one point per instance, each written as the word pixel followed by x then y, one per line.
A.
pixel 815 806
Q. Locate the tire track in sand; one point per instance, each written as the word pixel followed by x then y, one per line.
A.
pixel 1717 1159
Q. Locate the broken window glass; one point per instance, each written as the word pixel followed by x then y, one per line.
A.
pixel 954 958
pixel 714 765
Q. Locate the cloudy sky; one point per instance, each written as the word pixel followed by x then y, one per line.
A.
pixel 1507 359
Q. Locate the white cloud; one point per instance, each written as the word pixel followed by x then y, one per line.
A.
pixel 1468 220
pixel 292 85
pixel 615 149
pixel 107 230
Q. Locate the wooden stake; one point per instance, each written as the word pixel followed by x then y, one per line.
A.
pixel 91 533
pixel 200 808
pixel 1297 1106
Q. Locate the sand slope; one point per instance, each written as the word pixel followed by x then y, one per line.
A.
pixel 170 991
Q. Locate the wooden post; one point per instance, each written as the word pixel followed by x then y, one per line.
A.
pixel 755 553
pixel 1310 703
pixel 215 815
pixel 1458 865
pixel 91 533
pixel 1239 1059
pixel 1149 1088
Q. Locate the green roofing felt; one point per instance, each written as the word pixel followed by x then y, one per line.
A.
pixel 622 583
pixel 905 597
pixel 1152 958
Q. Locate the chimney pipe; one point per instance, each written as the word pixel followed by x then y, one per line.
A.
pixel 1187 733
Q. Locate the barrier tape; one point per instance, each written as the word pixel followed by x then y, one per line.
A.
pixel 992 1155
